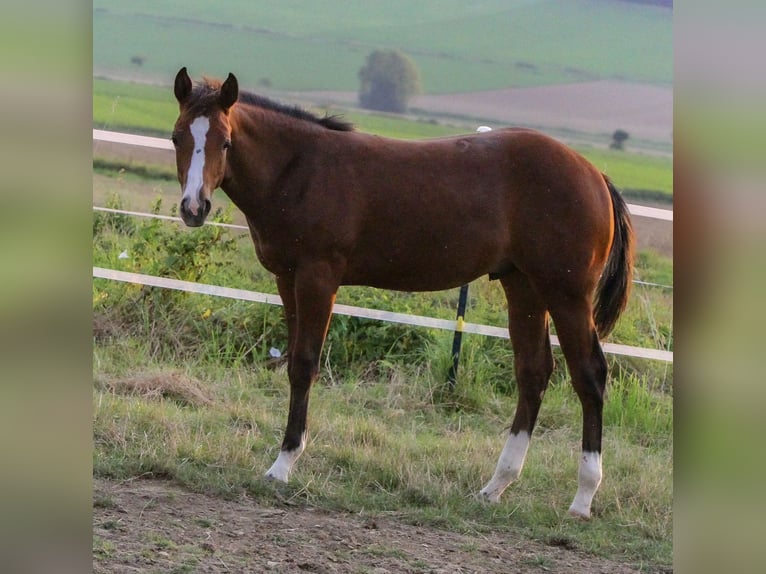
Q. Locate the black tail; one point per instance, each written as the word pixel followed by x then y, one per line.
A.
pixel 616 279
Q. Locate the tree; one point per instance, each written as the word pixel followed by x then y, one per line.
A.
pixel 389 79
pixel 618 139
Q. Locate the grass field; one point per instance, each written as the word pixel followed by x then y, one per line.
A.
pixel 457 46
pixel 389 443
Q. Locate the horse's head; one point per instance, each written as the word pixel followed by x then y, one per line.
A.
pixel 201 136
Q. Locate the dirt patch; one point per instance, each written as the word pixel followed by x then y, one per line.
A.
pixel 149 525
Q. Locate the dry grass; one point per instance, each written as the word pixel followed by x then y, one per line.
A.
pixel 386 445
pixel 171 385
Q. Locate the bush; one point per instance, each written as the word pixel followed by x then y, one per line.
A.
pixel 173 324
pixel 389 79
pixel 619 137
pixel 104 221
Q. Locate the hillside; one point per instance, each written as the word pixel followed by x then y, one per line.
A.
pixel 458 46
pixel 663 3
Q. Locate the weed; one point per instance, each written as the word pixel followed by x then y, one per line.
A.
pixel 102 548
pixel 159 542
pixel 104 502
pixel 116 223
pixel 110 525
pixel 540 561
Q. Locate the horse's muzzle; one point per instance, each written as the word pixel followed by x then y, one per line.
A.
pixel 194 219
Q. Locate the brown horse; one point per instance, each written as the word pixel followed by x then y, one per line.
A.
pixel 328 206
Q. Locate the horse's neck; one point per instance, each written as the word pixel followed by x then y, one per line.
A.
pixel 261 154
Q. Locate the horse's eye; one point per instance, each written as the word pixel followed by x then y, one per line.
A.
pixel 174 139
pixel 227 144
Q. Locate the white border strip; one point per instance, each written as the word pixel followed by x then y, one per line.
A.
pixel 160 143
pixel 362 312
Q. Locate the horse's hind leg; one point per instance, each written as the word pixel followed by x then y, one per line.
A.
pixel 588 369
pixel 533 365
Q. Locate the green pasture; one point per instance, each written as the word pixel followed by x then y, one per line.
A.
pixel 634 173
pixel 458 46
pixel 134 107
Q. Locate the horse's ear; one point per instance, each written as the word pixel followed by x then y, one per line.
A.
pixel 183 85
pixel 229 92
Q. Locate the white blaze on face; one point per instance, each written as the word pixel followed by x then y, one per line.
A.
pixel 194 178
pixel 589 479
pixel 509 466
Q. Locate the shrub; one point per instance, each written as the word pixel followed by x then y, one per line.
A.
pixel 389 79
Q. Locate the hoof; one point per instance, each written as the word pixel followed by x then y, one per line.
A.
pixel 488 497
pixel 579 513
pixel 272 476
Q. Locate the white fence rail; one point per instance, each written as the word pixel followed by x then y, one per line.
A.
pixel 362 312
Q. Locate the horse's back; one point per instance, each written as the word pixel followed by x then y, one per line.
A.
pixel 435 213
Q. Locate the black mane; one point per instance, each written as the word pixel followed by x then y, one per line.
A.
pixel 205 95
pixel 333 122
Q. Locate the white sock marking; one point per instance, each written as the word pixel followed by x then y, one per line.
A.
pixel 508 467
pixel 194 178
pixel 589 479
pixel 281 468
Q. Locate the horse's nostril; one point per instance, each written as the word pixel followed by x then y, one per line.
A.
pixel 208 206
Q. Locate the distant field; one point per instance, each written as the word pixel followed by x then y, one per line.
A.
pixel 137 107
pixel 458 46
pixel 633 171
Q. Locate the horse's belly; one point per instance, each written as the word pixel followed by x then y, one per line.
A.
pixel 424 271
pixel 400 282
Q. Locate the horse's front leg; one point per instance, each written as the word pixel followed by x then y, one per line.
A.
pixel 313 295
pixel 286 288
